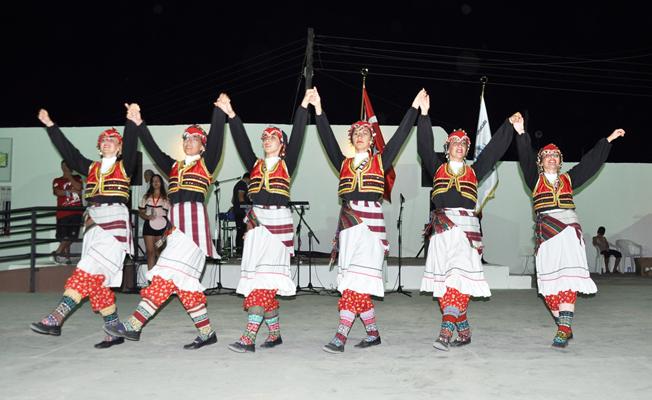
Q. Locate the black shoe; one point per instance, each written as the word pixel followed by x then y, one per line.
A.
pixel 41 328
pixel 271 343
pixel 105 344
pixel 199 342
pixel 368 343
pixel 333 348
pixel 119 330
pixel 459 342
pixel 441 343
pixel 240 347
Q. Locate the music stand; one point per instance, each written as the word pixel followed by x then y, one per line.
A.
pixel 310 288
pixel 217 290
pixel 399 225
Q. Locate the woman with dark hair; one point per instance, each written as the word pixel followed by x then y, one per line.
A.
pixel 360 238
pixel 153 208
pixel 269 240
pixel 188 241
pixel 107 232
pixel 562 270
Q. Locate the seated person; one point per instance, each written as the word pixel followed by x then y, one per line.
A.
pixel 601 242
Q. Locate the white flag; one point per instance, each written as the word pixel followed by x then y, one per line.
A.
pixel 488 186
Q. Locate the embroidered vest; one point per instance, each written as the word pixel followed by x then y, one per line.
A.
pixel 114 182
pixel 546 197
pixel 275 181
pixel 193 177
pixel 368 177
pixel 466 183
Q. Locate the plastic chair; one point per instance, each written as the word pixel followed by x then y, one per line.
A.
pixel 629 250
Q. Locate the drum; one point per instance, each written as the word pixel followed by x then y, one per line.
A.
pixel 158 223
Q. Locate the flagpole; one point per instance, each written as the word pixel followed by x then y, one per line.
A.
pixel 363 72
pixel 484 81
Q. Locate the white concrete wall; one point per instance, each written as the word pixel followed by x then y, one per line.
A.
pixel 619 198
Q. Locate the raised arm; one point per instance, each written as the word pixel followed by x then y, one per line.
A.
pixel 215 140
pixel 298 133
pixel 75 160
pixel 238 132
pixel 162 160
pixel 495 149
pixel 593 160
pixel 425 139
pixel 130 140
pixel 526 155
pixel 326 133
pixel 394 144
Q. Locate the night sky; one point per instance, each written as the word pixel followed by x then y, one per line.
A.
pixel 577 69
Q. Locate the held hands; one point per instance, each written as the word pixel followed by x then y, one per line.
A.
pixel 518 123
pixel 44 117
pixel 306 99
pixel 315 100
pixel 422 100
pixel 133 113
pixel 223 102
pixel 616 134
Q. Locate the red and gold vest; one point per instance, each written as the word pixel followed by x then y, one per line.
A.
pixel 466 183
pixel 193 177
pixel 113 183
pixel 546 197
pixel 369 178
pixel 275 181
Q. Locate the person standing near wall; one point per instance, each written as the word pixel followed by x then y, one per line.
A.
pixel 238 200
pixel 153 208
pixel 269 240
pixel 453 271
pixel 562 270
pixel 67 189
pixel 188 241
pixel 601 242
pixel 360 243
pixel 107 232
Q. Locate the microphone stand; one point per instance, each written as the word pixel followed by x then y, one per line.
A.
pixel 399 226
pixel 310 288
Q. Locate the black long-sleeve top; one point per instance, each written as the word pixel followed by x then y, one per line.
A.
pixel 248 157
pixel 211 156
pixel 77 162
pixel 579 174
pixel 490 155
pixel 388 155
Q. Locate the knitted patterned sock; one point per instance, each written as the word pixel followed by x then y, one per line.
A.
pixel 199 315
pixel 463 327
pixel 346 322
pixel 255 318
pixel 564 328
pixel 448 319
pixel 369 320
pixel 272 322
pixel 143 313
pixel 110 317
pixel 60 312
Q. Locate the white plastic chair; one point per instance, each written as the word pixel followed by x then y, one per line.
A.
pixel 630 250
pixel 599 261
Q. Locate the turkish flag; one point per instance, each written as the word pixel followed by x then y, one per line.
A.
pixel 379 142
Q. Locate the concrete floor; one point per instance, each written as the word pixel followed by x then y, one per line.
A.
pixel 510 357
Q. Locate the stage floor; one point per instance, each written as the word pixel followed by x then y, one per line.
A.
pixel 510 357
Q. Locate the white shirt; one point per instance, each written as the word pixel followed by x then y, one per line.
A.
pixel 190 159
pixel 107 163
pixel 455 166
pixel 270 162
pixel 360 157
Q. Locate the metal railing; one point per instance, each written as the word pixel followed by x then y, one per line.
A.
pixel 30 222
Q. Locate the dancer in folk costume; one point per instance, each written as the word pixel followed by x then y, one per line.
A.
pixel 560 251
pixel 360 238
pixel 188 239
pixel 107 232
pixel 269 240
pixel 453 271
